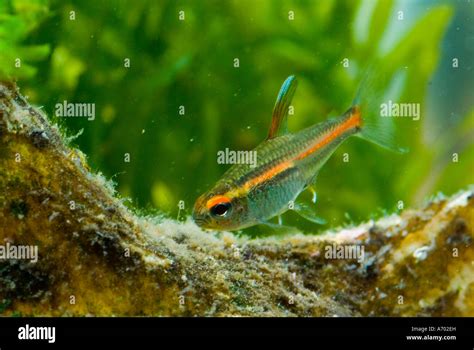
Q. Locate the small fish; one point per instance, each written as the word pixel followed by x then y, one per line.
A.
pixel 287 164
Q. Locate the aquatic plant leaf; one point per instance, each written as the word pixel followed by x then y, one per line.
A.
pixel 379 21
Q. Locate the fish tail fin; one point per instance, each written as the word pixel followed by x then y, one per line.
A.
pixel 374 90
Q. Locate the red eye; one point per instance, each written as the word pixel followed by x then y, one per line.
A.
pixel 220 209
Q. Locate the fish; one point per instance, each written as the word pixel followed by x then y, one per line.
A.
pixel 287 164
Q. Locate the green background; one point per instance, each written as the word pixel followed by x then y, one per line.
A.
pixel 190 63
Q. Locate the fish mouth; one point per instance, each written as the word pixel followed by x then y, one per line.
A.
pixel 199 220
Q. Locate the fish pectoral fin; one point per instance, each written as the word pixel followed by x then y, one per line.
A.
pixel 308 213
pixel 279 228
pixel 279 125
pixel 314 197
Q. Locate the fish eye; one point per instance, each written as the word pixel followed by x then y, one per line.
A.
pixel 220 209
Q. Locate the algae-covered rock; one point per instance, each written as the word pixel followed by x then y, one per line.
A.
pixel 95 257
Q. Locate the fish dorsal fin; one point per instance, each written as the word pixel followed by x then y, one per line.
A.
pixel 279 124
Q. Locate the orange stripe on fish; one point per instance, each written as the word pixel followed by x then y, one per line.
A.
pixel 216 200
pixel 353 121
pixel 267 175
pixel 270 173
